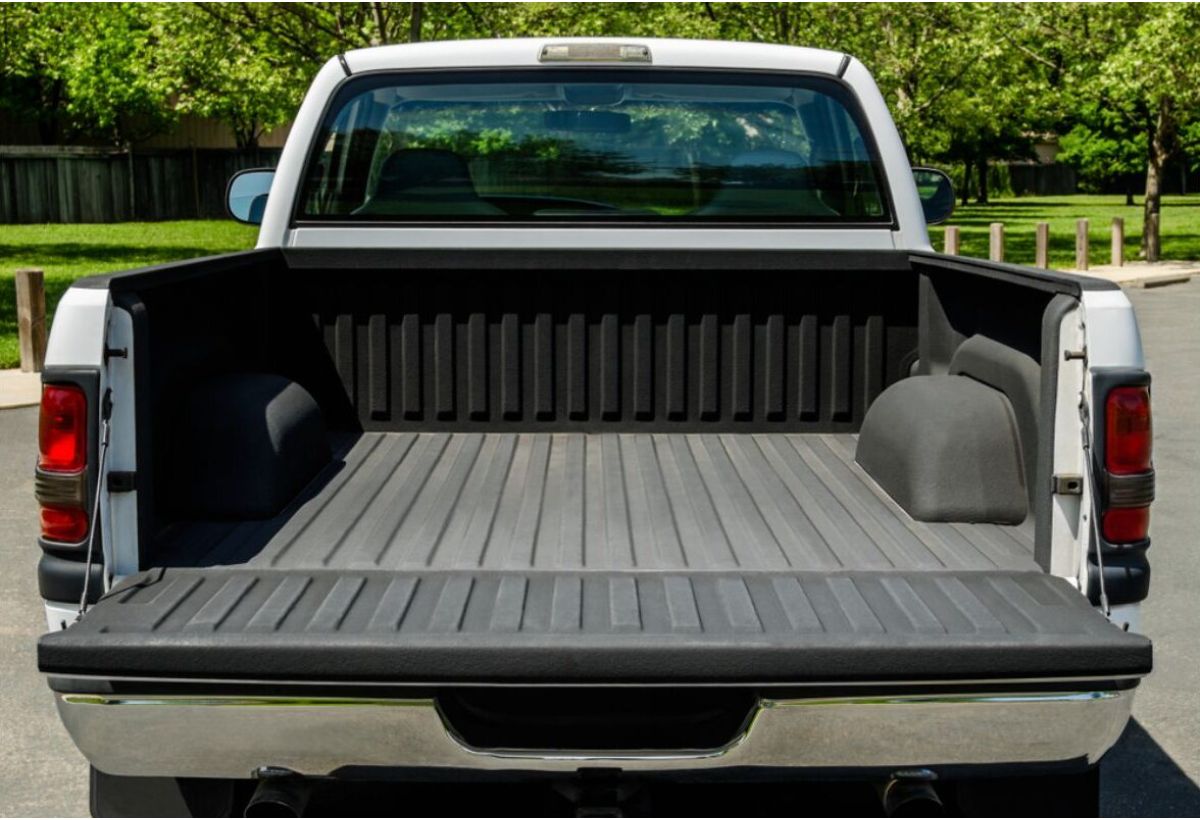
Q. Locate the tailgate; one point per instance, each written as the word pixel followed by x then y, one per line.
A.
pixel 548 627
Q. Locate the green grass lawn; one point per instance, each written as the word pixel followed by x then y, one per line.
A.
pixel 1179 223
pixel 67 252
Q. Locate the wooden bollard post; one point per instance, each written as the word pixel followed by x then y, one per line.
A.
pixel 1042 245
pixel 952 240
pixel 996 242
pixel 1118 241
pixel 31 319
pixel 1081 244
pixel 1154 239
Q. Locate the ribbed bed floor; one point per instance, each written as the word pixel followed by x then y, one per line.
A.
pixel 597 502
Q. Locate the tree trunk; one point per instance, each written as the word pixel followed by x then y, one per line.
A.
pixel 47 116
pixel 414 23
pixel 47 132
pixel 1150 237
pixel 246 135
pixel 1158 151
pixel 381 32
pixel 966 185
pixel 1129 195
pixel 981 166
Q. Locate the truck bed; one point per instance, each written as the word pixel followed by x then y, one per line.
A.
pixel 601 477
pixel 597 502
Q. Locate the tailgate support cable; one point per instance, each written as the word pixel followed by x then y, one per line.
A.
pixel 105 414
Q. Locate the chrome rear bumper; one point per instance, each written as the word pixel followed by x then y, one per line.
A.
pixel 231 736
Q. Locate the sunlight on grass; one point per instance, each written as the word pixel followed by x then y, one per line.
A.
pixel 67 252
pixel 1180 225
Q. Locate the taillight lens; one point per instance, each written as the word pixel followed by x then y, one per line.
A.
pixel 1127 441
pixel 68 524
pixel 62 457
pixel 1125 525
pixel 62 429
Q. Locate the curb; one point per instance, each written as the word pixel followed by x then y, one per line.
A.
pixel 19 389
pixel 1156 281
pixel 1144 276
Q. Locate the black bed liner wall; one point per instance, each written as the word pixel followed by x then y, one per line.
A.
pixel 578 350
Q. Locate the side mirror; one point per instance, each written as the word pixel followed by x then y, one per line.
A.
pixel 246 196
pixel 936 193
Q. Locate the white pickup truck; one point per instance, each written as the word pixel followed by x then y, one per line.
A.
pixel 593 413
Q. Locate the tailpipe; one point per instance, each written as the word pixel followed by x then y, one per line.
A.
pixel 279 794
pixel 911 794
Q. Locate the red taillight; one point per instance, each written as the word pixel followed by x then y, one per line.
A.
pixel 1127 440
pixel 62 430
pixel 1128 444
pixel 68 524
pixel 62 458
pixel 1125 525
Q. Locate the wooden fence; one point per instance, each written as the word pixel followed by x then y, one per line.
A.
pixel 63 184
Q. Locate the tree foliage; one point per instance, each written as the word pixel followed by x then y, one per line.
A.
pixel 1133 99
pixel 1103 145
pixel 82 72
pixel 1153 76
pixel 32 52
pixel 968 84
pixel 218 70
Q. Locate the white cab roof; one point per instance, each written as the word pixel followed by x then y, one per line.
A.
pixel 522 52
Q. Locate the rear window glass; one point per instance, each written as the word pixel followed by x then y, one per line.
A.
pixel 587 145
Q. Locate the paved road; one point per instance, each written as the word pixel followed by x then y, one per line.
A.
pixel 41 772
pixel 1156 768
pixel 1154 771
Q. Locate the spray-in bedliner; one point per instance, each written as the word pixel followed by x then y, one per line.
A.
pixel 597 502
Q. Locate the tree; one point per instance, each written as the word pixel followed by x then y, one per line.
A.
pixel 1151 80
pixel 921 54
pixel 32 83
pixel 1128 77
pixel 235 79
pixel 82 72
pixel 959 93
pixel 248 64
pixel 1103 147
pixel 111 81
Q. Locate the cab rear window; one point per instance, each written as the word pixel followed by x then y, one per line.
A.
pixel 589 145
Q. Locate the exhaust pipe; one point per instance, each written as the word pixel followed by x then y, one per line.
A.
pixel 279 794
pixel 906 795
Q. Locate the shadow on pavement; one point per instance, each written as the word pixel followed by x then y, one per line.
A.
pixel 1140 779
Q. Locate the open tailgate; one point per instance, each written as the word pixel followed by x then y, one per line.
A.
pixel 546 627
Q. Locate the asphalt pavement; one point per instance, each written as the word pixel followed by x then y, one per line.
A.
pixel 1153 771
pixel 41 771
